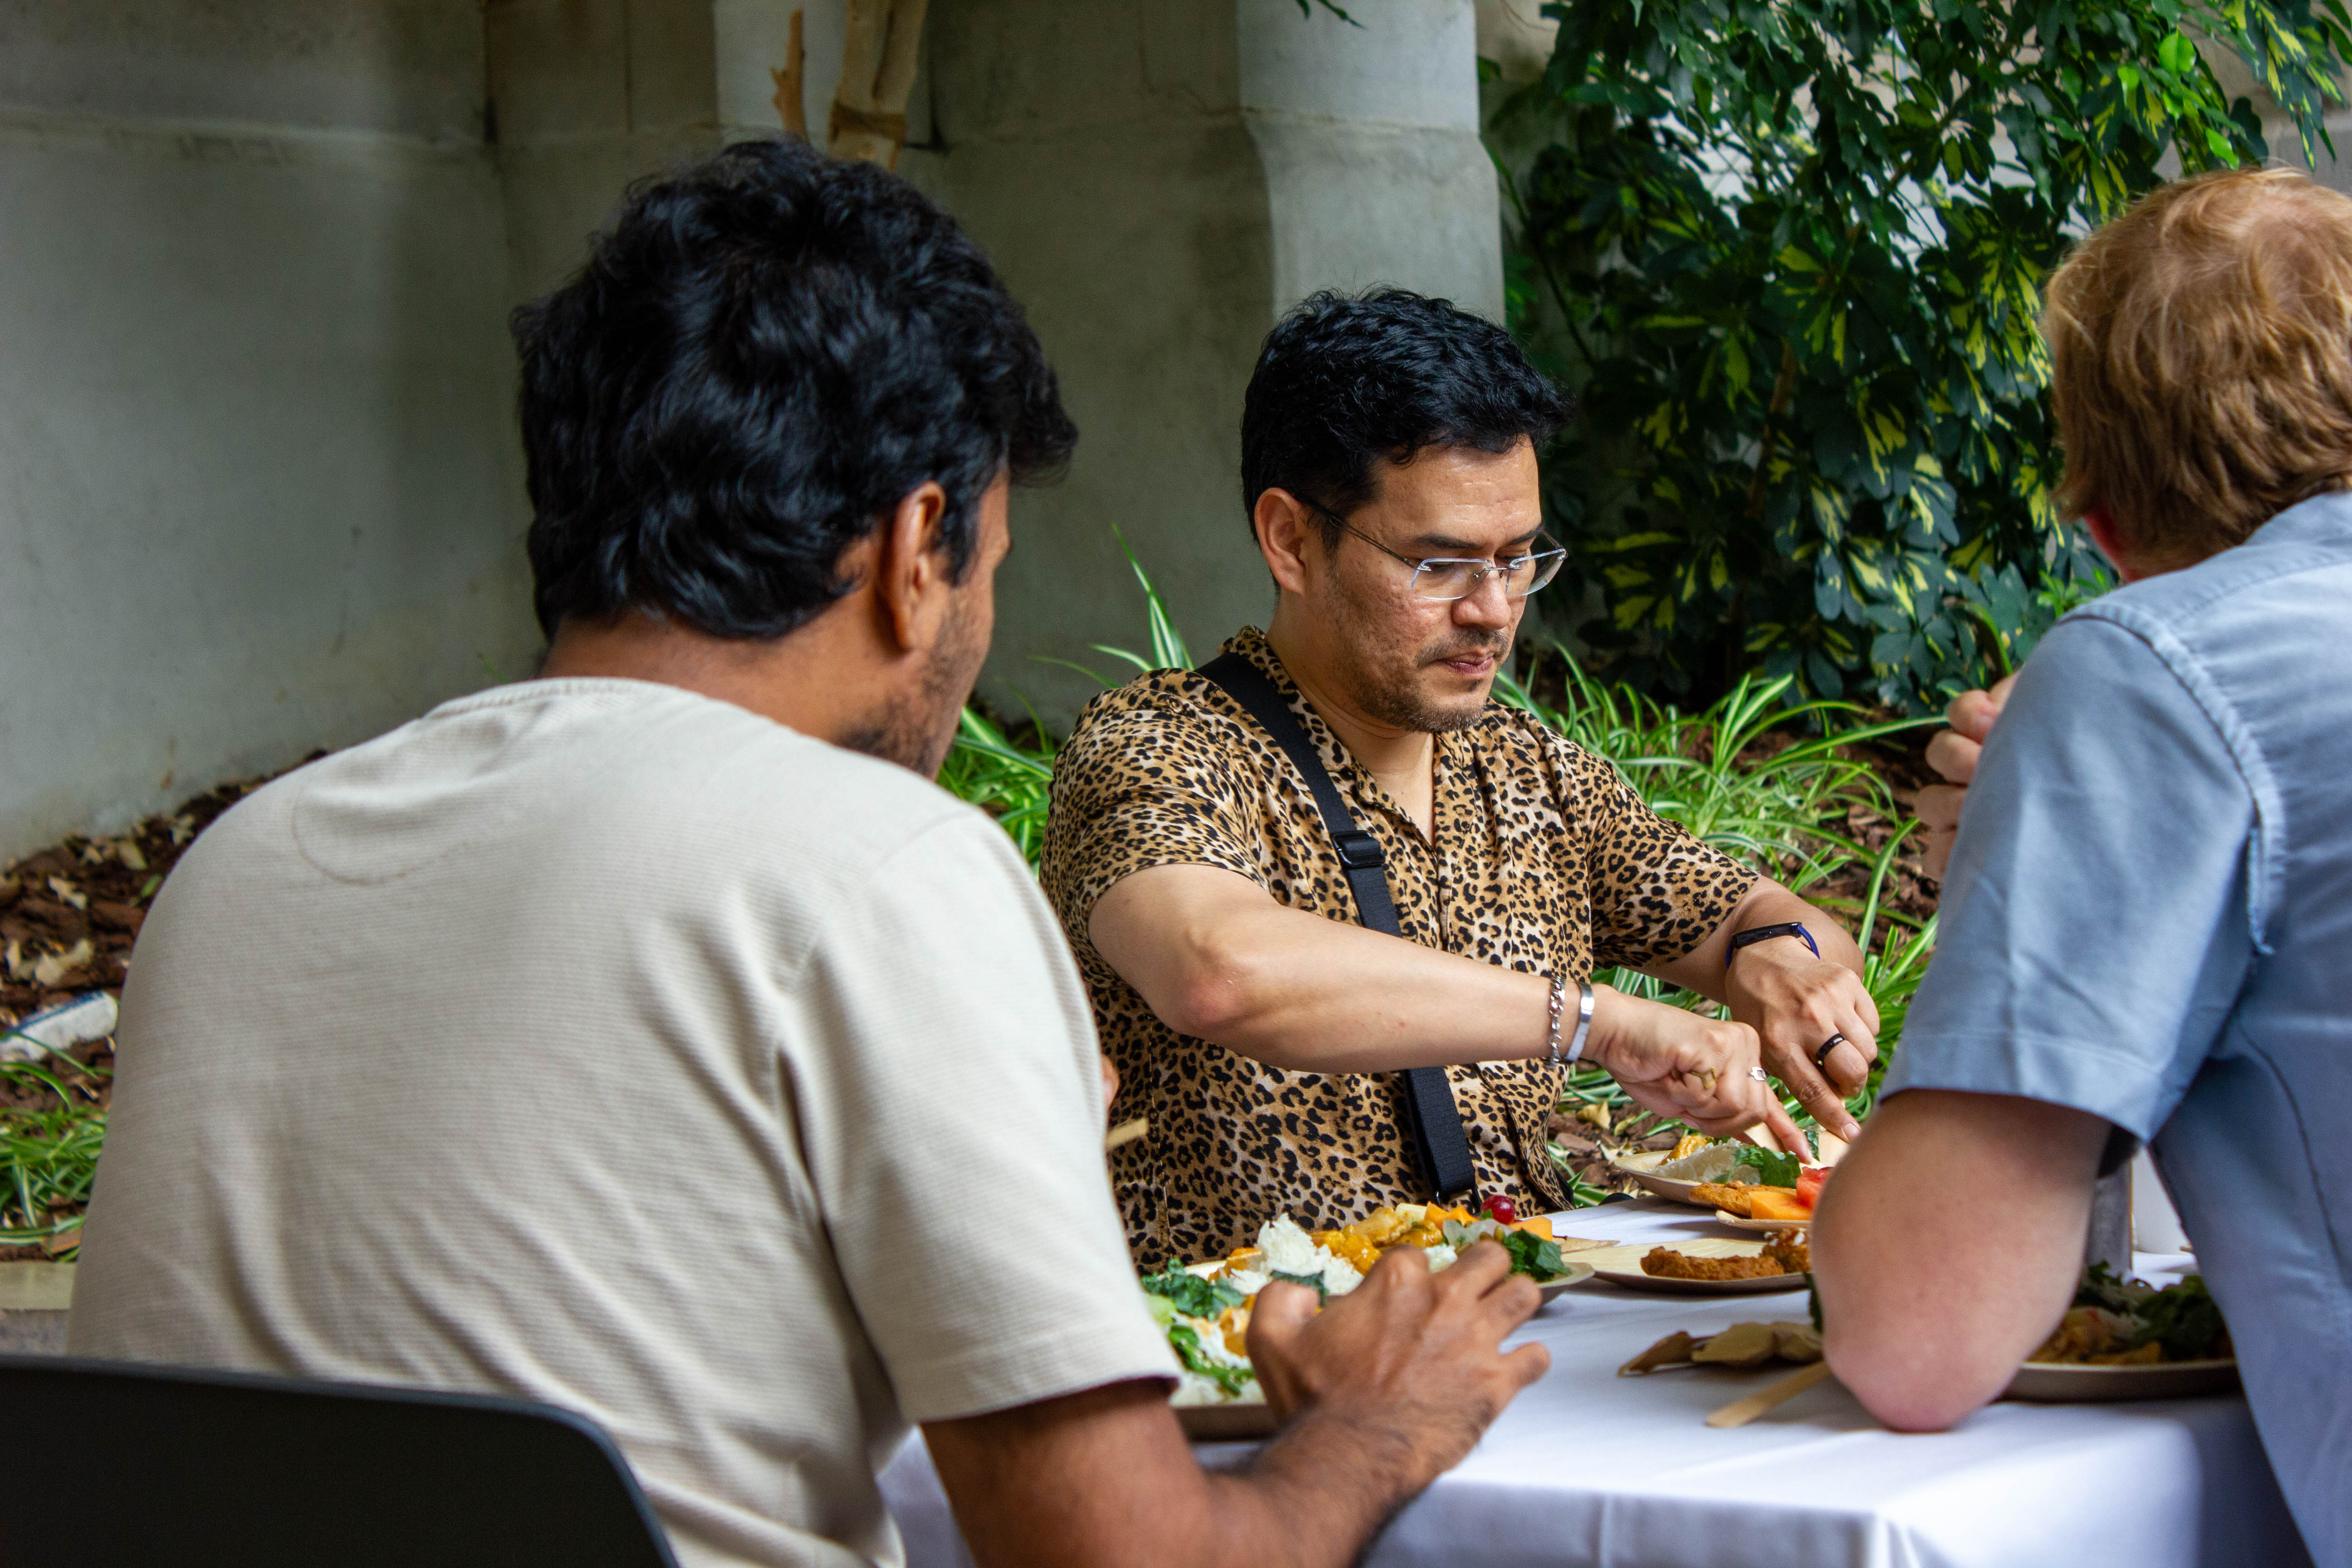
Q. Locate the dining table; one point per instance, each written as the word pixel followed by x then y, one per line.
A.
pixel 1589 1469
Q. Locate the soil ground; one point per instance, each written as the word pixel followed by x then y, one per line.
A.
pixel 69 916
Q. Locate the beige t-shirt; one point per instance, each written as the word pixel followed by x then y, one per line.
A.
pixel 596 1042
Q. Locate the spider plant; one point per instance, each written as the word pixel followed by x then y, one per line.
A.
pixel 48 1157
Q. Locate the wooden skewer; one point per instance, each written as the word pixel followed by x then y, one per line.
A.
pixel 1740 1412
pixel 1127 1133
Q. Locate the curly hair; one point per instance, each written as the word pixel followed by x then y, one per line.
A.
pixel 1345 380
pixel 764 353
pixel 2201 360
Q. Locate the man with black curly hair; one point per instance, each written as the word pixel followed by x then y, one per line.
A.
pixel 1390 478
pixel 657 1039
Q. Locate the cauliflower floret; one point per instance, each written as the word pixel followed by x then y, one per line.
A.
pixel 1286 1250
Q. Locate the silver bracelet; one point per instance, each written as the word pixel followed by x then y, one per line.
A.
pixel 1558 996
pixel 1583 1024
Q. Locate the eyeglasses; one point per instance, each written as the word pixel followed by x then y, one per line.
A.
pixel 1440 578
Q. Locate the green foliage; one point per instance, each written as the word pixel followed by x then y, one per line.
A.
pixel 49 1156
pixel 1711 772
pixel 1007 780
pixel 1790 251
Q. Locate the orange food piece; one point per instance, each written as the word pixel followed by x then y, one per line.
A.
pixel 1776 1203
pixel 1726 1196
pixel 1540 1226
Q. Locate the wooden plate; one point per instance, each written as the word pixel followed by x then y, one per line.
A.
pixel 2052 1384
pixel 1667 1187
pixel 1580 1270
pixel 1741 1222
pixel 1623 1266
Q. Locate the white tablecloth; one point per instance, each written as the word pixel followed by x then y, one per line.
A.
pixel 1587 1467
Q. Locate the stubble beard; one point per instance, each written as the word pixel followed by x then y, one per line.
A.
pixel 917 734
pixel 1390 692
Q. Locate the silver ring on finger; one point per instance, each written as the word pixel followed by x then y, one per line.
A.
pixel 1822 1057
pixel 1759 1075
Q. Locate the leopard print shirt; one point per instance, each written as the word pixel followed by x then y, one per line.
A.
pixel 1543 860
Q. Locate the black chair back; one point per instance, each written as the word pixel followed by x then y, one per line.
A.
pixel 116 1463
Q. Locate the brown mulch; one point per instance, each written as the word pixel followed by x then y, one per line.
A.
pixel 69 916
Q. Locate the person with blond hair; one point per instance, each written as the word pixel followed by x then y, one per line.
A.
pixel 2147 915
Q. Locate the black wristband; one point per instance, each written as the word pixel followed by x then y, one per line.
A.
pixel 1766 933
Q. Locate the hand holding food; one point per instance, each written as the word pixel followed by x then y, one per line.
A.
pixel 1705 1071
pixel 1417 1351
pixel 1953 754
pixel 1207 1310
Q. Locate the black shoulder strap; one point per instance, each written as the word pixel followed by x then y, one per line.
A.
pixel 1432 1120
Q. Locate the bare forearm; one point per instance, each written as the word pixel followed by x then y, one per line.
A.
pixel 1929 1304
pixel 1298 991
pixel 1215 958
pixel 1124 1488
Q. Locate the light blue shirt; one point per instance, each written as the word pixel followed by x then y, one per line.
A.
pixel 2148 917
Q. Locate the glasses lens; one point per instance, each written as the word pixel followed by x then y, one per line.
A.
pixel 1532 572
pixel 1445 579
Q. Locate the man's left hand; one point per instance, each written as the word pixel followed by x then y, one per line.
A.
pixel 1796 1003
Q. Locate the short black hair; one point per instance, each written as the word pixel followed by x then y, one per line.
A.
pixel 764 353
pixel 1347 379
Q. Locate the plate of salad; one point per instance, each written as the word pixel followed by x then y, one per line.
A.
pixel 1204 1307
pixel 2124 1339
pixel 1718 1163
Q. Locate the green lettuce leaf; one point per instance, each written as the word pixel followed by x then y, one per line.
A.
pixel 1533 1256
pixel 1193 1296
pixel 1772 1168
pixel 1231 1380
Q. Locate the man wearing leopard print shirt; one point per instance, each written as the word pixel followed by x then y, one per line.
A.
pixel 1388 470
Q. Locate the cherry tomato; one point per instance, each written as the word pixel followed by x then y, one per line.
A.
pixel 1502 1210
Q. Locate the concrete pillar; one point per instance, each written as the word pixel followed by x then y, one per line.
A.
pixel 1158 181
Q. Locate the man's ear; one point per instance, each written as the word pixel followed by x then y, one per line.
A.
pixel 911 569
pixel 1286 531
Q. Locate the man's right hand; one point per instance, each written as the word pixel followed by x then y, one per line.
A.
pixel 1702 1070
pixel 1415 1353
pixel 1953 754
pixel 1382 1392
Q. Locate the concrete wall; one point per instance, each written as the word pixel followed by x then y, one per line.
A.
pixel 588 96
pixel 259 490
pixel 1158 181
